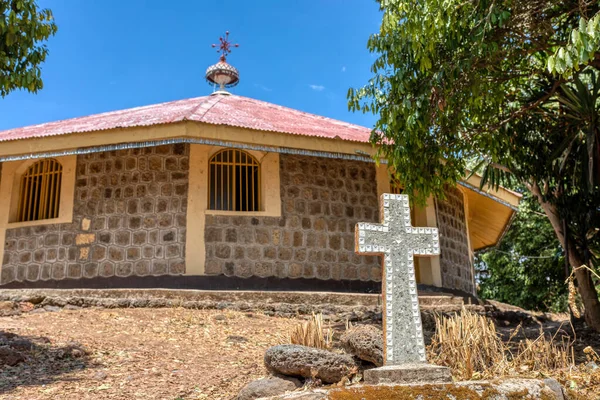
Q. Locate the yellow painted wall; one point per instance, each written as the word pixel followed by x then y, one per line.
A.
pixel 9 189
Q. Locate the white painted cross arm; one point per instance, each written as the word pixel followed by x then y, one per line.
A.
pixel 396 231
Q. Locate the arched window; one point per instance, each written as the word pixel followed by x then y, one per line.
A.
pixel 39 193
pixel 234 181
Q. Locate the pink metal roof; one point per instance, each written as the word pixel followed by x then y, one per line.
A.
pixel 217 109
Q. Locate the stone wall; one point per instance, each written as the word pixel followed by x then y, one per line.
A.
pixel 322 200
pixel 455 260
pixel 129 219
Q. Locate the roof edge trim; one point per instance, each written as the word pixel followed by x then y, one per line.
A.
pixel 492 197
pixel 210 142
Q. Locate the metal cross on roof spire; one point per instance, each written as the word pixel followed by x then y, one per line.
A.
pixel 225 46
pixel 222 74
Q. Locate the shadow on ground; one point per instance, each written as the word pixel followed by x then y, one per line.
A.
pixel 35 361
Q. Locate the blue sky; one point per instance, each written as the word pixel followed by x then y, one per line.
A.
pixel 116 54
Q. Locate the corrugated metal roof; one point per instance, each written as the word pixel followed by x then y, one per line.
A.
pixel 218 109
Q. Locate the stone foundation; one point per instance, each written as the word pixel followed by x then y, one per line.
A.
pixel 129 218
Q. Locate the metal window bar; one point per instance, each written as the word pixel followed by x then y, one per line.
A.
pixel 234 181
pixel 39 195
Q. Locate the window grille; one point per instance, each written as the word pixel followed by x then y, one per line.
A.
pixel 234 181
pixel 39 196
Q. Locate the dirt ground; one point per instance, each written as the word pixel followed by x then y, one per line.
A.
pixel 138 353
pixel 161 353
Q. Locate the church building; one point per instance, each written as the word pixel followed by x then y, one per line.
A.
pixel 203 191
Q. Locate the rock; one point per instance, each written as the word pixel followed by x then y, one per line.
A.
pixel 271 386
pixel 100 376
pixel 10 357
pixel 53 301
pixel 26 307
pixel 315 394
pixel 71 307
pixel 556 387
pixel 192 305
pixel 220 317
pixel 139 303
pixel 365 342
pixel 497 389
pixel 534 388
pixel 309 362
pixel 71 350
pixel 52 308
pixel 157 303
pixel 33 299
pixel 7 335
pixel 407 374
pixel 7 305
pixel 22 345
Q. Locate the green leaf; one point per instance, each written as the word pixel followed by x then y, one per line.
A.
pixel 454 81
pixel 551 64
pixel 24 28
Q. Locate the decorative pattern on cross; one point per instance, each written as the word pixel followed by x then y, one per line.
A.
pixel 398 241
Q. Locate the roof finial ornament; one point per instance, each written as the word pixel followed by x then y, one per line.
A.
pixel 225 46
pixel 222 73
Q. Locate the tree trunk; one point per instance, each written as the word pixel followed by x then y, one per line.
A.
pixel 585 284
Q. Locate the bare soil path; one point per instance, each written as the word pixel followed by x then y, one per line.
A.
pixel 138 353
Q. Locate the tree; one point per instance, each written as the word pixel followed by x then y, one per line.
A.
pixel 513 84
pixel 23 29
pixel 527 268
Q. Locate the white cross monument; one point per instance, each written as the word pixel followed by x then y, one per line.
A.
pixel 398 241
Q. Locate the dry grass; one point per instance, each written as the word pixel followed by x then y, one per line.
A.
pixel 312 333
pixel 469 344
pixel 544 354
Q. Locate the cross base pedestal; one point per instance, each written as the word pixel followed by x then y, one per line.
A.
pixel 408 373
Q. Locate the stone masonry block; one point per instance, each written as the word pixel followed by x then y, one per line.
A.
pixel 124 269
pixel 74 271
pixel 33 272
pixel 85 238
pixel 90 270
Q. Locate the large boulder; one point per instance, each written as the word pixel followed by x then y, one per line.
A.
pixel 309 362
pixel 365 342
pixel 270 386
